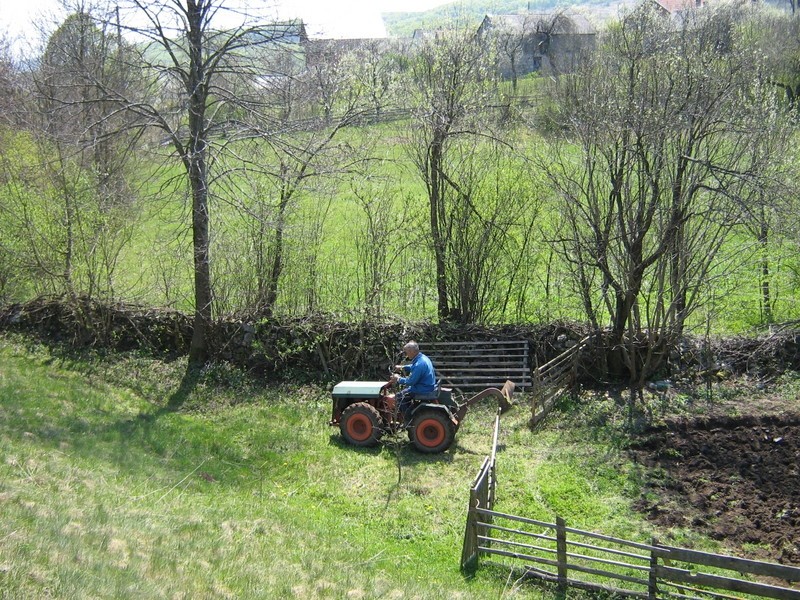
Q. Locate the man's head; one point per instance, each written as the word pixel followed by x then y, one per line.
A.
pixel 411 349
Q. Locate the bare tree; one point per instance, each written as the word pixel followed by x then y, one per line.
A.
pixel 666 164
pixel 72 212
pixel 776 36
pixel 510 45
pixel 518 41
pixel 492 229
pixel 450 80
pixel 381 239
pixel 199 58
pixel 286 161
pixel 8 92
pixel 769 208
pixel 8 81
pixel 481 212
pixel 375 66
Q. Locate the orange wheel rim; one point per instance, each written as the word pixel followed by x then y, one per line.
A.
pixel 430 432
pixel 359 427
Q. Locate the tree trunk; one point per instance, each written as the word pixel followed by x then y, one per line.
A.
pixel 766 296
pixel 437 209
pixel 277 260
pixel 197 169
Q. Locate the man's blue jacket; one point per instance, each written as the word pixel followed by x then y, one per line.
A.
pixel 422 377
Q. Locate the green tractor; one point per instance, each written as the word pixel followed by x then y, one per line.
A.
pixel 366 410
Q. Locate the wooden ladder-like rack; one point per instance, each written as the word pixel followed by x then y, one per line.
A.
pixel 476 365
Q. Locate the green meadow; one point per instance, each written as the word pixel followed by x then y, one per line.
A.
pixel 120 479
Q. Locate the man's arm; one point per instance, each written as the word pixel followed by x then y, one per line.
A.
pixel 413 379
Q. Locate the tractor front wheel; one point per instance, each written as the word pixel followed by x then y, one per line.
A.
pixel 431 431
pixel 361 424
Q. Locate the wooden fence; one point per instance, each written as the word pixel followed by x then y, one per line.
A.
pixel 582 559
pixel 552 379
pixel 564 555
pixel 481 494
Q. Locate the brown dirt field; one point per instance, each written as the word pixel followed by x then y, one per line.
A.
pixel 733 478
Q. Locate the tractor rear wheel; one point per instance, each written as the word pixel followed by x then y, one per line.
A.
pixel 431 431
pixel 361 424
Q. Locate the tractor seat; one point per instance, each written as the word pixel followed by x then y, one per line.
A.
pixel 434 395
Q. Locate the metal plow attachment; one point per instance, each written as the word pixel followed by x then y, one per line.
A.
pixel 503 399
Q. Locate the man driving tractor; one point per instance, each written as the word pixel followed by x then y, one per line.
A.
pixel 418 376
pixel 366 410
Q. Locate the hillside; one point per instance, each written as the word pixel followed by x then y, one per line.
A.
pixel 403 24
pixel 246 492
pixel 120 472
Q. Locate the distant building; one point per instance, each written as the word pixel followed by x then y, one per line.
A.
pixel 292 31
pixel 548 42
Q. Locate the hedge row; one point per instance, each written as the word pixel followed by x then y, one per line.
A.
pixel 312 348
pixel 322 348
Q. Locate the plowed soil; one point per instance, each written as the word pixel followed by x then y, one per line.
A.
pixel 736 479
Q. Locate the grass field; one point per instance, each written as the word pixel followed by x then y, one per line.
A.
pixel 106 491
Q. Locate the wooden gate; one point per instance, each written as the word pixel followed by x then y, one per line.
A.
pixel 553 379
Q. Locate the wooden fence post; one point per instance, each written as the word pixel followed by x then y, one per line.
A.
pixel 652 582
pixel 493 464
pixel 537 395
pixel 574 369
pixel 469 553
pixel 561 552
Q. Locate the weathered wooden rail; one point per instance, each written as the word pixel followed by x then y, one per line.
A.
pixel 476 365
pixel 553 379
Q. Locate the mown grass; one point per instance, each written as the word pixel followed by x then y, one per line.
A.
pixel 120 479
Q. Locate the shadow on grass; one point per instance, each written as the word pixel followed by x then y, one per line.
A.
pixel 336 440
pixel 189 382
pixel 399 445
pixel 138 436
pixel 176 400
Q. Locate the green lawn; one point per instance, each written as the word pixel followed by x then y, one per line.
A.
pixel 246 492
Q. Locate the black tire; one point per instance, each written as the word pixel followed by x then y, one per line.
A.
pixel 431 431
pixel 361 424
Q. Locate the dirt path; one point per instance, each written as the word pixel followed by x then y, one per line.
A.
pixel 736 479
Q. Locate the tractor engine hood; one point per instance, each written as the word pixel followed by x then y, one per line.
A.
pixel 359 389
